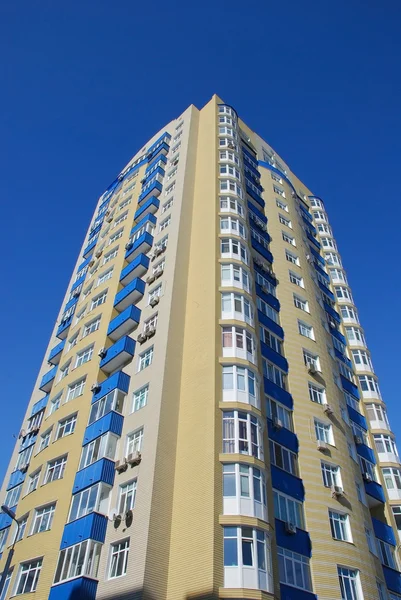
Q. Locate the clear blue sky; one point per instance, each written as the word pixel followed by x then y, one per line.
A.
pixel 85 83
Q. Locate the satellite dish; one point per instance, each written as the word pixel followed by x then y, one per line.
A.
pixel 111 515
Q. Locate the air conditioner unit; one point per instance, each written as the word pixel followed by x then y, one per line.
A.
pixel 75 294
pixel 158 272
pixel 150 279
pixel 336 491
pixel 23 468
pixel 141 338
pixel 290 528
pixel 102 352
pixel 120 466
pixel 358 440
pixel 328 409
pixel 367 477
pixel 134 458
pixel 277 423
pixel 91 262
pixel 312 369
pixel 95 387
pixel 154 301
pixel 106 214
pixel 150 332
pixel 98 254
pixel 128 245
pixel 109 219
pixel 322 446
pixel 158 251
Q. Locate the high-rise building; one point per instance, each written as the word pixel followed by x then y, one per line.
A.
pixel 207 422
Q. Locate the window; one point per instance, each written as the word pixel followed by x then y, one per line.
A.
pixel 338 275
pixel 159 266
pixel 94 498
pixel 24 458
pixel 284 221
pixel 28 576
pixel 339 525
pixel 112 401
pixel 236 306
pixel 265 283
pixel 167 205
pixel 113 238
pixel 105 276
pixel 3 540
pixel 124 203
pixel 349 584
pixel 392 478
pixel 231 225
pixel 20 531
pixel 385 443
pixel 155 293
pixel 281 205
pixel 165 223
pixel 386 552
pixel 346 371
pixel 296 279
pixel 367 468
pixel 55 404
pixel 283 458
pixel 306 330
pixel 72 342
pixel 301 303
pixel 278 190
pixel 170 189
pixel 397 516
pixel 64 370
pixel 98 300
pixel 45 439
pixel 145 359
pixel 236 276
pixel 381 590
pixel 127 495
pixel 43 519
pixel 276 410
pixel 75 389
pixel 370 538
pixel 343 293
pixel 362 358
pixel 103 446
pixel 331 474
pixel 246 547
pixel 324 432
pixel 369 384
pixel 242 434
pixel 267 310
pixel 66 426
pixel 271 340
pixel 140 398
pixel 13 496
pixel 288 238
pixel 231 248
pixel 55 469
pixel 377 412
pixel 328 243
pixel 84 356
pixel 240 384
pixel 135 441
pixel 287 509
pixel 333 259
pixel 292 258
pixel 110 255
pixel 91 326
pixel 311 359
pixel 274 374
pixel 294 569
pixel 119 559
pixel 79 560
pixel 121 218
pixel 33 481
pixel 276 177
pixel 238 341
pixel 228 204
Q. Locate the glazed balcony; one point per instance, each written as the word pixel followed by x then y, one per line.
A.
pixel 131 294
pixel 124 323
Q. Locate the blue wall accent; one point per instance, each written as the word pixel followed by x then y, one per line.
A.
pixel 269 298
pixel 101 470
pixel 374 489
pixel 118 380
pixel 132 313
pixel 384 532
pixel 84 263
pixel 350 387
pixel 89 527
pixel 283 436
pixel 366 452
pixel 355 416
pixel 124 345
pixel 270 324
pixel 298 542
pixel 16 478
pixel 257 212
pixel 157 151
pixel 150 202
pixel 290 593
pixel 29 440
pixel 146 219
pixel 306 212
pixel 287 483
pixel 159 171
pixel 274 357
pixel 111 421
pixel 81 588
pixel 5 521
pixel 393 579
pixel 276 392
pixel 268 166
pixel 262 250
pixel 39 405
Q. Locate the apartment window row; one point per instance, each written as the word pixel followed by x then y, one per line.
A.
pixel 229 204
pixel 242 434
pixel 235 276
pixel 231 225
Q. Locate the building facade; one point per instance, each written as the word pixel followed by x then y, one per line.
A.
pixel 207 422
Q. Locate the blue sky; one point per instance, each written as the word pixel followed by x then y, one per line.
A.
pixel 85 83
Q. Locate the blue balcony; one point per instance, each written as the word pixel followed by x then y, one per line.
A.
pixel 384 532
pixel 343 358
pixel 283 436
pixel 350 387
pixel 153 190
pixel 317 256
pixel 89 248
pixel 84 263
pixel 393 579
pixel 267 297
pixel 255 196
pixel 265 274
pixel 322 272
pixel 162 160
pixel 55 353
pixel 118 355
pixel 78 282
pixel 331 312
pixel 300 542
pixel 145 220
pixel 124 323
pixel 101 470
pixel 374 493
pixel 47 380
pixel 270 324
pixel 81 588
pixel 141 246
pixel 356 416
pixel 274 357
pixel 277 393
pixel 63 328
pixel 71 302
pixel 287 483
pixel 305 212
pixel 338 335
pixel 313 240
pixel 309 225
pixel 149 207
pixel 16 478
pixel 366 452
pixel 257 212
pixel 29 440
pixel 39 405
pixel 326 291
pixel 111 421
pixel 287 592
pixel 159 171
pixel 5 521
pixel 118 381
pixel 164 138
pixel 137 268
pixel 262 250
pixel 89 527
pixel 130 294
